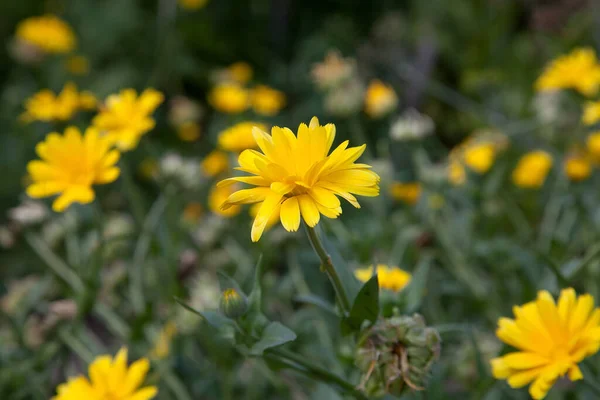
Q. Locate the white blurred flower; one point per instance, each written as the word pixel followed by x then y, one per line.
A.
pixel 29 212
pixel 411 125
pixel 186 172
pixel 209 230
pixel 546 105
pixel 119 224
pixel 183 110
pixel 204 295
pixel 345 99
pixel 7 237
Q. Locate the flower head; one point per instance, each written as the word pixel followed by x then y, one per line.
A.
pixel 126 116
pixel 380 99
pixel 593 145
pixel 412 125
pixel 70 164
pixel 295 176
pixel 47 106
pixel 214 163
pixel 578 166
pixel 591 113
pixel 240 72
pixel 390 278
pixel 532 169
pixel 577 70
pixel 48 33
pixel 408 192
pixel 480 156
pixel 267 101
pixel 229 98
pixel 551 340
pixel 110 378
pixel 239 137
pixel 456 173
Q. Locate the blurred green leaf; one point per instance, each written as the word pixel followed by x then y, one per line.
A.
pixel 416 289
pixel 275 334
pixel 213 318
pixel 365 307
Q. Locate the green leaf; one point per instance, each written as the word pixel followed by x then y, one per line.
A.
pixel 416 289
pixel 275 334
pixel 365 307
pixel 213 318
pixel 316 301
pixel 255 297
pixel 227 282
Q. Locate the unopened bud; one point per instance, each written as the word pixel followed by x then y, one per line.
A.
pixel 233 304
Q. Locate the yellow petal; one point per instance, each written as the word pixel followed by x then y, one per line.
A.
pixel 135 376
pixel 324 197
pixel 145 393
pixel 272 201
pixel 524 360
pixel 290 214
pixel 310 212
pixel 73 194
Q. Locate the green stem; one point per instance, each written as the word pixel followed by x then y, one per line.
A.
pixel 327 264
pixel 76 345
pixel 589 379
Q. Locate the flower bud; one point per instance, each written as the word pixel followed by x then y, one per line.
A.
pixel 233 304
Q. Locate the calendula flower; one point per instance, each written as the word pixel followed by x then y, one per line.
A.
pixel 456 173
pixel 333 70
pixel 240 72
pixel 215 163
pixel 591 113
pixel 233 304
pixel 578 167
pixel 295 176
pixel 532 169
pixel 126 116
pixel 78 65
pixel 408 193
pixel 192 4
pixel 380 99
pixel 48 33
pixel 267 101
pixel 389 277
pixel 47 106
pixel 577 70
pixel 593 146
pixel 110 378
pixel 551 340
pixel 412 125
pixel 70 164
pixel 239 137
pixel 189 131
pixel 217 196
pixel 479 156
pixel 229 98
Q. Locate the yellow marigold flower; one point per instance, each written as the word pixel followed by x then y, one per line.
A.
pixel 409 193
pixel 78 65
pixel 390 278
pixel 240 72
pixel 593 145
pixel 70 165
pixel 215 163
pixel 479 156
pixel 380 99
pixel 239 137
pixel 577 70
pixel 456 173
pixel 229 98
pixel 217 196
pixel 551 339
pixel 189 131
pixel 126 116
pixel 192 4
pixel 48 33
pixel 110 378
pixel 47 106
pixel 578 167
pixel 591 113
pixel 162 345
pixel 532 169
pixel 267 101
pixel 295 176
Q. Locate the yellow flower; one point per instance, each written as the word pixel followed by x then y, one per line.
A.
pixel 162 345
pixel 591 113
pixel 532 169
pixel 70 165
pixel 456 173
pixel 229 98
pixel 380 99
pixel 267 101
pixel 125 117
pixel 390 278
pixel 551 339
pixel 78 65
pixel 47 106
pixel 406 192
pixel 48 33
pixel 239 137
pixel 240 72
pixel 593 145
pixel 296 176
pixel 578 70
pixel 192 4
pixel 188 131
pixel 578 167
pixel 215 163
pixel 217 196
pixel 110 378
pixel 479 156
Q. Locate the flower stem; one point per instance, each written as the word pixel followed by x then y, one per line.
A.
pixel 589 379
pixel 327 264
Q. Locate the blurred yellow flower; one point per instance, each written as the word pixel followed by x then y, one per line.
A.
pixel 125 117
pixel 532 169
pixel 409 192
pixel 591 113
pixel 578 167
pixel 296 176
pixel 192 212
pixel 189 131
pixel 48 33
pixel 78 65
pixel 229 98
pixel 593 146
pixel 110 378
pixel 240 72
pixel 47 106
pixel 456 173
pixel 192 4
pixel 70 165
pixel 577 70
pixel 239 137
pixel 162 345
pixel 479 156
pixel 551 338
pixel 267 101
pixel 380 99
pixel 214 163
pixel 217 196
pixel 390 278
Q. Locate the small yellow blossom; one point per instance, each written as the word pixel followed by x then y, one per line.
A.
pixel 577 167
pixel 229 98
pixel 215 163
pixel 532 169
pixel 78 65
pixel 240 72
pixel 192 4
pixel 162 345
pixel 593 146
pixel 380 99
pixel 591 113
pixel 295 176
pixel 267 101
pixel 577 70
pixel 189 131
pixel 192 212
pixel 48 33
pixel 551 340
pixel 456 173
pixel 110 378
pixel 239 137
pixel 390 278
pixel 409 193
pixel 217 196
pixel 47 106
pixel 70 165
pixel 125 117
pixel 479 157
